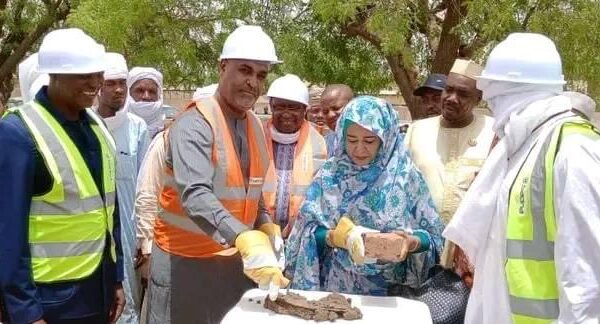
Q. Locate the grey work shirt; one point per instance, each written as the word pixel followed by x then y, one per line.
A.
pixel 189 153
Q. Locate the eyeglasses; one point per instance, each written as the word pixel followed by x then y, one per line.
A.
pixel 290 109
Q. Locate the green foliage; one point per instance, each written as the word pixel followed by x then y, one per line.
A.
pixel 571 24
pixel 322 55
pixel 155 33
pixel 412 28
pixel 17 19
pixel 184 39
pixel 574 27
pixel 22 25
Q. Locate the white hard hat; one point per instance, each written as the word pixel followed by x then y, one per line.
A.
pixel 249 43
pixel 70 51
pixel 289 87
pixel 524 58
pixel 116 67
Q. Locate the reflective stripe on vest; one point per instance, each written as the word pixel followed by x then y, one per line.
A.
pixel 309 154
pixel 175 232
pixel 68 224
pixel 531 229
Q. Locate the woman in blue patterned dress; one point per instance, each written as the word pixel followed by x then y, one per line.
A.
pixel 370 184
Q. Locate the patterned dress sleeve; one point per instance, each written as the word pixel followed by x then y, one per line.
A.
pixel 425 220
pixel 303 264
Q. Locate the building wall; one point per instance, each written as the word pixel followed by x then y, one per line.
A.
pixel 180 98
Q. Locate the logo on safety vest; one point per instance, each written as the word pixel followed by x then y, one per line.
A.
pixel 522 196
pixel 256 181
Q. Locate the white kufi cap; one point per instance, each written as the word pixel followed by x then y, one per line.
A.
pixel 116 67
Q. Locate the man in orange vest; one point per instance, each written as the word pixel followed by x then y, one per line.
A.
pixel 296 149
pixel 207 251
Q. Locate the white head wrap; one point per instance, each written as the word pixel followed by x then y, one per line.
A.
pixel 204 92
pixel 507 98
pixel 30 80
pixel 116 67
pixel 139 73
pixel 150 112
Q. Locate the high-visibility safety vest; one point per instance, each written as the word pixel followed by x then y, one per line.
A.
pixel 174 231
pixel 310 153
pixel 68 224
pixel 531 229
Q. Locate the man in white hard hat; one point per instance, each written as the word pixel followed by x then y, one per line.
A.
pixel 296 149
pixel 61 252
pixel 131 138
pixel 207 250
pixel 530 220
pixel 450 149
pixel 145 97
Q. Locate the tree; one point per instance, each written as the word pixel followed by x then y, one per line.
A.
pixel 174 36
pixel 416 37
pixel 317 52
pixel 573 26
pixel 183 38
pixel 22 24
pixel 368 44
pixel 412 36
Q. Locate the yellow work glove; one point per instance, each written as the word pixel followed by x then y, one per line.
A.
pixel 348 236
pixel 274 233
pixel 260 263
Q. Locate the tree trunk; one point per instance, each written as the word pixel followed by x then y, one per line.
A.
pixel 447 49
pixel 405 77
pixel 406 82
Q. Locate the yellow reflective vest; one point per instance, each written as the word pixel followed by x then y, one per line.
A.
pixel 531 229
pixel 68 224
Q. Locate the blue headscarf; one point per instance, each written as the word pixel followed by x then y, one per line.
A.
pixel 388 194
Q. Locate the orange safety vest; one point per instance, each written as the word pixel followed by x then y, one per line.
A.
pixel 309 155
pixel 174 231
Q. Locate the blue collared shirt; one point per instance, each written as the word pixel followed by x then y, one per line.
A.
pixel 24 175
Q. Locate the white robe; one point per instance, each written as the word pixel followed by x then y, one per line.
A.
pixel 449 158
pixel 132 141
pixel 479 226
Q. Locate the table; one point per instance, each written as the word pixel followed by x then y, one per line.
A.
pixel 375 310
